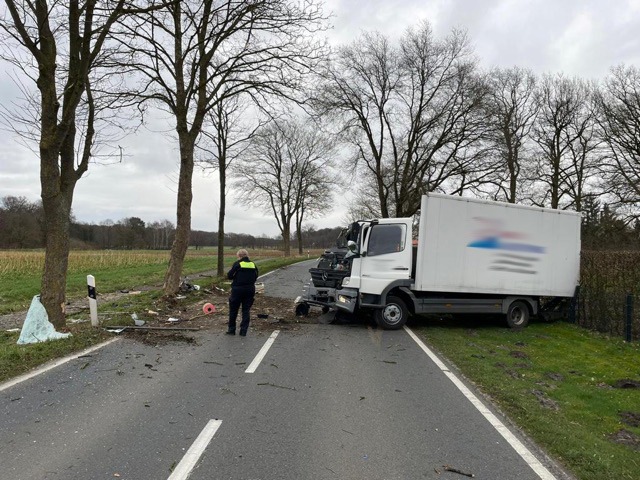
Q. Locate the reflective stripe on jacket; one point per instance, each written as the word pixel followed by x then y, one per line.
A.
pixel 243 273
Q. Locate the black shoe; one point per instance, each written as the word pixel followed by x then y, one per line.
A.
pixel 229 332
pixel 243 334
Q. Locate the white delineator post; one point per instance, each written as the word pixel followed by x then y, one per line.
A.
pixel 93 301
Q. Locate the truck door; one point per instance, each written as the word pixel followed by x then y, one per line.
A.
pixel 387 256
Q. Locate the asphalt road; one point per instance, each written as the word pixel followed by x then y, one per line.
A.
pixel 324 402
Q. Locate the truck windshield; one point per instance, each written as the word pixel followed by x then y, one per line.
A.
pixel 386 239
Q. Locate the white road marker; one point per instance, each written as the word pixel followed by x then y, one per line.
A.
pixel 56 363
pixel 190 459
pixel 261 354
pixel 516 444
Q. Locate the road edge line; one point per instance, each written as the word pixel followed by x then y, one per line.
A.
pixel 53 364
pixel 501 428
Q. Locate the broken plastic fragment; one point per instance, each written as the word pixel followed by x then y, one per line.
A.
pixel 115 330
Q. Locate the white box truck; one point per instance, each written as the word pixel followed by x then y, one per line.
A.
pixel 470 256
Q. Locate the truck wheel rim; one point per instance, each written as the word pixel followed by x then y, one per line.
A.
pixel 517 316
pixel 392 314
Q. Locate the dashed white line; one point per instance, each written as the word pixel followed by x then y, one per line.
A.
pixel 261 354
pixel 190 459
pixel 517 445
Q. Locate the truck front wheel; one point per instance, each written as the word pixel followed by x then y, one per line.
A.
pixel 518 315
pixel 393 315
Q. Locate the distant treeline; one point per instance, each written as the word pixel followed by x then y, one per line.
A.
pixel 21 226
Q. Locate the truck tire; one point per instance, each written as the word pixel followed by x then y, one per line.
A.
pixel 393 315
pixel 302 310
pixel 518 315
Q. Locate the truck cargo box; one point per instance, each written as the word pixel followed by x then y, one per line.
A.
pixel 477 246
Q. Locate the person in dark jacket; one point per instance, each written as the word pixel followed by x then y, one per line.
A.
pixel 243 276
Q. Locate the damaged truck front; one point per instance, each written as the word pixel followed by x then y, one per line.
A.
pixel 471 256
pixel 326 277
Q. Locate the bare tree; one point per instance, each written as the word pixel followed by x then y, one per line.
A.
pixel 318 180
pixel 193 54
pixel 565 135
pixel 61 47
pixel 511 111
pixel 410 112
pixel 619 120
pixel 288 171
pixel 232 125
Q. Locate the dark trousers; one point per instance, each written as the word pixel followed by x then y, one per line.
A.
pixel 241 296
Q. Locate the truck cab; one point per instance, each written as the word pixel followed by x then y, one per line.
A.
pixel 384 264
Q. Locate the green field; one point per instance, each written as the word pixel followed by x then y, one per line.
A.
pixel 20 271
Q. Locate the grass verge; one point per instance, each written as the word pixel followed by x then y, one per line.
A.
pixel 18 359
pixel 559 383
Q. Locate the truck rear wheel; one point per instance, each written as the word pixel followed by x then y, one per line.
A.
pixel 393 315
pixel 518 315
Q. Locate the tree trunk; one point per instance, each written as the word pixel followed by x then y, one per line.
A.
pixel 286 240
pixel 57 210
pixel 221 215
pixel 299 237
pixel 183 227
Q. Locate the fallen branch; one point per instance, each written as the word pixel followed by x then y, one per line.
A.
pixel 277 386
pixel 449 468
pixel 131 327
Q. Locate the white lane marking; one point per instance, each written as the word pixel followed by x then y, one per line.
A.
pixel 261 354
pixel 517 445
pixel 188 462
pixel 56 363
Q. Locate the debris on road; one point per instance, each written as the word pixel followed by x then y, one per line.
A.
pixel 451 469
pixel 131 327
pixel 276 386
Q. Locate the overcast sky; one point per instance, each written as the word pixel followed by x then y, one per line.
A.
pixel 577 37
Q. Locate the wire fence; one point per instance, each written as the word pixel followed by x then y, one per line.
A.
pixel 613 314
pixel 610 281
